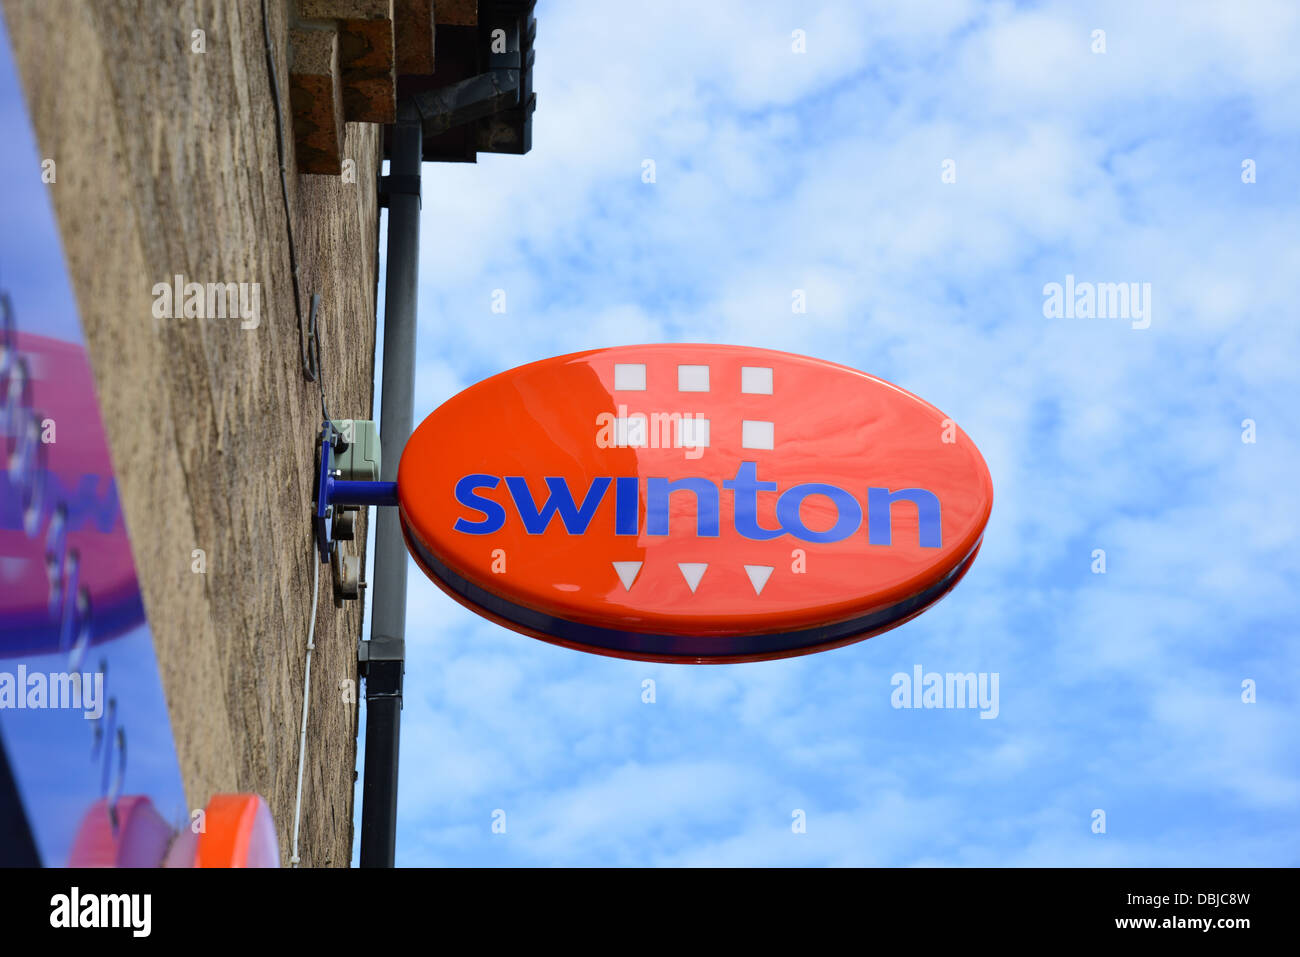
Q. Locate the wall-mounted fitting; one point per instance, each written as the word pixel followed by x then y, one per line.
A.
pixel 357 453
pixel 345 523
pixel 347 448
pixel 347 576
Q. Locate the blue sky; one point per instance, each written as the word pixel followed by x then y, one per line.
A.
pixel 29 241
pixel 821 171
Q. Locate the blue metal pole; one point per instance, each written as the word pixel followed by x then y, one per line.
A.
pixel 361 493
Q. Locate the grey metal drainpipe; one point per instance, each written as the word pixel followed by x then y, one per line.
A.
pixel 383 657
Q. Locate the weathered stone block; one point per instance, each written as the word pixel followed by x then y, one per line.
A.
pixel 315 97
pixel 414 33
pixel 367 55
pixel 456 13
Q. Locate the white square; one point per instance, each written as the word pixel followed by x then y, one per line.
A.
pixel 693 432
pixel 757 435
pixel 629 376
pixel 630 432
pixel 756 380
pixel 692 378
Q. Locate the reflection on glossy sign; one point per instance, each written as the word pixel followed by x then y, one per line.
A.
pixel 693 503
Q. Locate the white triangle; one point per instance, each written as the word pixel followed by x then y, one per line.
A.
pixel 627 572
pixel 758 576
pixel 693 572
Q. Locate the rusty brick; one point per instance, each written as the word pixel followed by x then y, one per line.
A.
pixel 315 98
pixel 456 13
pixel 345 9
pixel 413 29
pixel 367 55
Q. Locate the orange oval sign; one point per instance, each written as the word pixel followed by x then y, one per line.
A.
pixel 692 503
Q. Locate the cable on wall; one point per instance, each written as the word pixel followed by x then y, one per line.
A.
pixel 309 338
pixel 309 346
pixel 306 701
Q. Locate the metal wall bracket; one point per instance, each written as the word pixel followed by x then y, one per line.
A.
pixel 379 649
pixel 332 494
pixel 439 110
pixel 397 184
pixel 311 347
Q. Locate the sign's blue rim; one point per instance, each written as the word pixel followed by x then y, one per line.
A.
pixel 655 646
